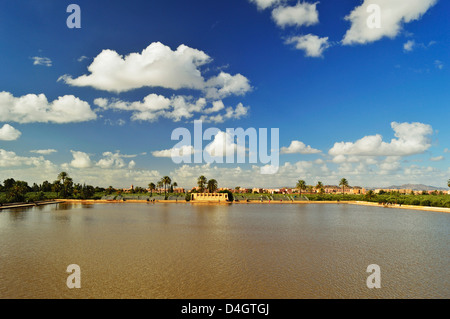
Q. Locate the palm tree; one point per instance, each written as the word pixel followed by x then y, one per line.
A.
pixel 174 184
pixel 301 185
pixel 152 187
pixel 166 181
pixel 212 185
pixel 344 184
pixel 319 186
pixel 201 182
pixel 62 178
pixel 159 185
pixel 370 194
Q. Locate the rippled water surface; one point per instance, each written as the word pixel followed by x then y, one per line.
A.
pixel 236 251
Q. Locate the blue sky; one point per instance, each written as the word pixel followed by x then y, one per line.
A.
pixel 371 104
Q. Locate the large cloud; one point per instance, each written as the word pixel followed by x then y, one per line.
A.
pixel 411 138
pixel 9 133
pixel 11 159
pixel 158 66
pixel 33 108
pixel 393 14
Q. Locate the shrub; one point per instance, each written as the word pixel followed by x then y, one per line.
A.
pixel 425 202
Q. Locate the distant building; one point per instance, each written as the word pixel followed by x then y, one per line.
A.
pixel 209 197
pixel 128 190
pixel 179 190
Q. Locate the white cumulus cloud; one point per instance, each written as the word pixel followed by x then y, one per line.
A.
pixel 225 84
pixel 310 43
pixel 32 108
pixel 9 133
pixel 158 66
pixel 302 14
pixel 80 160
pixel 176 108
pixel 393 14
pixel 411 138
pixel 11 159
pixel 298 147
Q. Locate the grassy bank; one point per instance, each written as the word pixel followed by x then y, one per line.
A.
pixel 395 199
pixel 399 199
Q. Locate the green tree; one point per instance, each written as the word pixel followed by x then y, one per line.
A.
pixel 67 187
pixel 159 185
pixel 110 190
pixel 151 187
pixel 166 181
pixel 77 190
pixel 56 186
pixel 35 188
pixel 46 186
pixel 319 186
pixel 17 192
pixel 344 184
pixel 370 194
pixel 301 185
pixel 230 194
pixel 8 183
pixel 201 182
pixel 62 177
pixel 87 192
pixel 212 185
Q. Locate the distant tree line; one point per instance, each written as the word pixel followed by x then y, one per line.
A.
pixel 63 187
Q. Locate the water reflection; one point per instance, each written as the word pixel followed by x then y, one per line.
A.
pixel 17 214
pixel 223 251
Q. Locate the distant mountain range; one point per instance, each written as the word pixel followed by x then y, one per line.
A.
pixel 414 187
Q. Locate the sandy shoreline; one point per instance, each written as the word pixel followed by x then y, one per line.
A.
pixel 361 203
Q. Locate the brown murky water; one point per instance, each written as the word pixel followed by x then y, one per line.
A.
pixel 236 251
